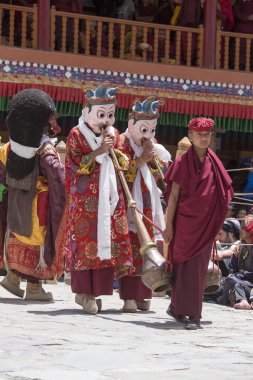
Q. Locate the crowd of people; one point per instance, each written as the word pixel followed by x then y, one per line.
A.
pixel 232 15
pixel 85 219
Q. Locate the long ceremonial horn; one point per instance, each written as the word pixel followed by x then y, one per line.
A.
pixel 153 273
pixel 158 167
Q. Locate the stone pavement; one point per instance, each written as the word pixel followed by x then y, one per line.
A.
pixel 57 341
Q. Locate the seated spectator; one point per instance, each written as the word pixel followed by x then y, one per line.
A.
pixel 231 211
pixel 161 48
pixel 237 287
pixel 94 40
pixel 164 13
pixel 140 45
pixel 229 234
pixel 146 11
pixel 126 10
pixel 241 213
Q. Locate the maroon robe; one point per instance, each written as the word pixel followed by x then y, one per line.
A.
pixel 242 10
pixel 191 17
pixel 226 15
pixel 190 14
pixel 205 193
pixel 97 282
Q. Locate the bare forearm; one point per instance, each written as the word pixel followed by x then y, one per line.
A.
pixel 97 152
pixel 172 205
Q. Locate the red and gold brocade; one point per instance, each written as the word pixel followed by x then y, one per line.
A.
pixel 130 175
pixel 82 192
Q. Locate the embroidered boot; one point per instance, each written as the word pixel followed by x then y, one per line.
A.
pixel 130 306
pixel 11 282
pixel 143 305
pixel 35 292
pixel 79 298
pixel 89 304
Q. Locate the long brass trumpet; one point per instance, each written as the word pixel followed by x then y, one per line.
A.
pixel 153 275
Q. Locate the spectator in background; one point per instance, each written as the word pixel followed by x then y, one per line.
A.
pixel 243 13
pixel 164 13
pixel 146 11
pixel 225 17
pixel 241 213
pixel 230 212
pixel 140 46
pixel 229 234
pixel 106 8
pixel 190 16
pixel 239 284
pixel 72 6
pixel 248 188
pixel 126 10
pixel 94 40
pixel 176 12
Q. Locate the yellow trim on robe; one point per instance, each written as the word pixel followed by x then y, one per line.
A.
pixel 3 153
pixel 38 232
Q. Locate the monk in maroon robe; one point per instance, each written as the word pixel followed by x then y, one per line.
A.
pixel 225 14
pixel 191 17
pixel 243 13
pixel 198 193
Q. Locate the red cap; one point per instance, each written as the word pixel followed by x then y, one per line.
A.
pixel 201 124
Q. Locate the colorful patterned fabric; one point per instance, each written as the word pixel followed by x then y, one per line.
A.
pixel 82 190
pixel 124 146
pixel 25 258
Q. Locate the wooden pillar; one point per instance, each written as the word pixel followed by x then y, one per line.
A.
pixel 43 24
pixel 209 34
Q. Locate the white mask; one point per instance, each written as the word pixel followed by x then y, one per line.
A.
pixel 99 116
pixel 144 128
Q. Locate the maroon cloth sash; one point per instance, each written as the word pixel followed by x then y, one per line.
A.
pixel 205 193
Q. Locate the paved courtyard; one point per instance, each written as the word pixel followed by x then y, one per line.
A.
pixel 57 341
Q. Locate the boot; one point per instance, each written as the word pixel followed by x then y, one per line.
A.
pixel 143 305
pixel 89 304
pixel 11 282
pixel 130 306
pixel 35 292
pixel 79 298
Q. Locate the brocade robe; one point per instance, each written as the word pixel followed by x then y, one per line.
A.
pixel 130 175
pixel 82 192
